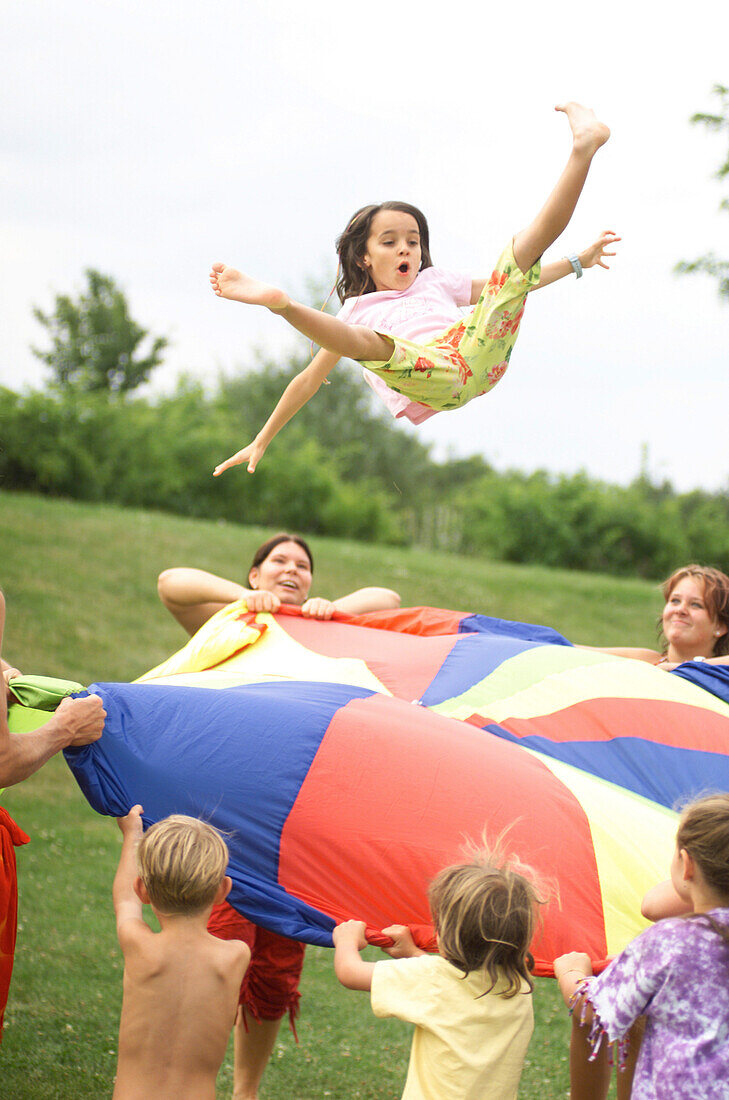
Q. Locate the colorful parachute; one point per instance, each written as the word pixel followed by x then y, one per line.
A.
pixel 349 760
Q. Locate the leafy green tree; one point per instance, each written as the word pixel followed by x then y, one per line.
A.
pixel 710 264
pixel 95 344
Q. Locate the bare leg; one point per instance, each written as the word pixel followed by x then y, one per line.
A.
pixel 588 1080
pixel 354 341
pixel 587 136
pixel 252 1050
pixel 625 1076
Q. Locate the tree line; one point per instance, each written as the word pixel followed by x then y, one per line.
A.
pixel 373 482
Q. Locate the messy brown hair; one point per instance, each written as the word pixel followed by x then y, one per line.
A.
pixel 715 590
pixel 703 830
pixel 485 914
pixel 354 278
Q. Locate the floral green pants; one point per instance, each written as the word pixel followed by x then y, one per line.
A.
pixel 472 355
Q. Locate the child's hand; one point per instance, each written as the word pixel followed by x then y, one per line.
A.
pixel 576 961
pixel 597 252
pixel 131 825
pixel 404 946
pixel 350 932
pixel 252 454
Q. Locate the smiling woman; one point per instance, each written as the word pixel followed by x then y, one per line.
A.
pixel 694 621
pixel 280 573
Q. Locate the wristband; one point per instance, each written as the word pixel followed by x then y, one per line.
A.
pixel 575 264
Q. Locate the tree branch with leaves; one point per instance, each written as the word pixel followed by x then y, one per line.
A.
pixel 95 343
pixel 710 264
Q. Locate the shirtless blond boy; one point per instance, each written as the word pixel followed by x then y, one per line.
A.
pixel 180 984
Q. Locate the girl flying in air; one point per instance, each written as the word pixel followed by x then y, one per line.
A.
pixel 401 316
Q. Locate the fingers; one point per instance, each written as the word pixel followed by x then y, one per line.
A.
pixel 237 460
pixel 318 608
pixel 263 601
pixel 83 719
pixel 234 460
pixel 131 822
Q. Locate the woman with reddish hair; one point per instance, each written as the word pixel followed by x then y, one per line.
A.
pixel 694 623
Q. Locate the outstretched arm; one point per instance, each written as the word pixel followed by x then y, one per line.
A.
pixel 299 390
pixel 589 257
pixel 127 903
pixel 636 653
pixel 352 970
pixel 355 603
pixel 570 970
pixel 550 273
pixel 193 596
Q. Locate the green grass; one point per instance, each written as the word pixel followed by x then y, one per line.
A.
pixel 80 586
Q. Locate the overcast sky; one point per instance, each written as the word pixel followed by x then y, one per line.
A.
pixel 148 139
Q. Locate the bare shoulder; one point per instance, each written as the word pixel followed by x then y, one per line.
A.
pixel 137 941
pixel 228 957
pixel 234 954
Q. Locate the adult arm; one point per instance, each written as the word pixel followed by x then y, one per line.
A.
pixel 355 603
pixel 193 596
pixel 368 599
pixel 300 389
pixel 650 656
pixel 75 722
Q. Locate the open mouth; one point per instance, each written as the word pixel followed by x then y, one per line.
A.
pixel 404 268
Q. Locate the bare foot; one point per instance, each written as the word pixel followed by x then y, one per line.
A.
pixel 232 284
pixel 587 132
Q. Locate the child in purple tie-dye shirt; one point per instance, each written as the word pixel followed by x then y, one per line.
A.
pixel 675 975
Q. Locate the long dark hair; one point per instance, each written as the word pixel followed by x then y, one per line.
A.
pixel 351 246
pixel 265 549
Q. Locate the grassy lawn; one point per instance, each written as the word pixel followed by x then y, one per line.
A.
pixel 80 586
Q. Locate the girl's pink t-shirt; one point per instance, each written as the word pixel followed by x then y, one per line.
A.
pixel 428 307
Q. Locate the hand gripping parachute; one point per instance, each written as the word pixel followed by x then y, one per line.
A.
pixel 349 760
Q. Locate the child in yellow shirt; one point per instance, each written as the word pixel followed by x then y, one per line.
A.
pixel 471 1003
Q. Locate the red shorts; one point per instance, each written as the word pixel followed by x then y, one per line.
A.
pixel 270 986
pixel 11 836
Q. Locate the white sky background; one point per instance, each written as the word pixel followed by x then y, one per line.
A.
pixel 148 139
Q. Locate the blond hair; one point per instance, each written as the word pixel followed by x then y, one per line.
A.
pixel 182 861
pixel 703 831
pixel 484 912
